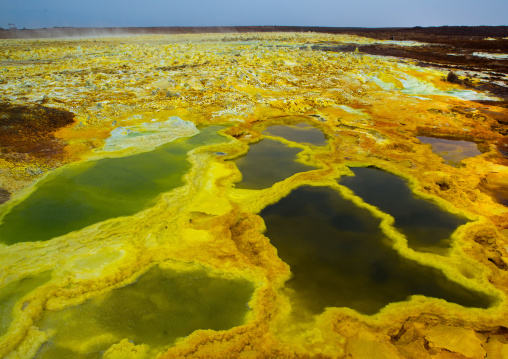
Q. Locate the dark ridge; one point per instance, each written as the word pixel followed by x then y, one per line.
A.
pixel 400 33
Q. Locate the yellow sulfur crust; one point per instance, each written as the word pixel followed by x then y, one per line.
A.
pixel 370 108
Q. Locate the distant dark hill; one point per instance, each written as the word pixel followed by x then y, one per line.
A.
pixel 415 33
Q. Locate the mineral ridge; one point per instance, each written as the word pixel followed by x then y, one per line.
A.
pixel 68 104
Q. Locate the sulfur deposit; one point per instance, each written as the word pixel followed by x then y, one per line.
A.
pixel 142 178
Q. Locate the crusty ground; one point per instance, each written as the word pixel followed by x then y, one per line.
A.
pixel 249 81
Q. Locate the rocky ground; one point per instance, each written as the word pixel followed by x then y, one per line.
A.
pixel 61 100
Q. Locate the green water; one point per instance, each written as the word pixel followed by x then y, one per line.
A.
pixel 161 306
pixel 13 292
pixel 424 223
pixel 78 196
pixel 340 258
pixel 452 151
pixel 267 163
pixel 301 133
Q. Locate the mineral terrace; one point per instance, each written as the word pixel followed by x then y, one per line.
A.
pixel 74 110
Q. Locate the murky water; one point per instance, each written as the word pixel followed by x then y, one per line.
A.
pixel 267 163
pixel 301 133
pixel 424 223
pixel 161 306
pixel 340 258
pixel 90 192
pixel 13 292
pixel 452 151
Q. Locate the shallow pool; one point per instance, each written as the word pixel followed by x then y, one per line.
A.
pixel 161 306
pixel 79 195
pixel 300 133
pixel 14 291
pixel 424 223
pixel 267 163
pixel 340 258
pixel 451 150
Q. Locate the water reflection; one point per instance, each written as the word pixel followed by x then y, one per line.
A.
pixel 161 306
pixel 425 224
pixel 300 133
pixel 90 192
pixel 267 163
pixel 340 258
pixel 452 151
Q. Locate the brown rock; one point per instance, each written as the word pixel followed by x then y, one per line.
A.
pixel 456 340
pixel 453 78
pixel 496 349
pixel 370 349
pixel 448 355
pixel 414 350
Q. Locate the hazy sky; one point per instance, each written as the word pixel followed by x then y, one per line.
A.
pixel 361 13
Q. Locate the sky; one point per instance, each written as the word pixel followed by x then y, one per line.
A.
pixel 337 13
